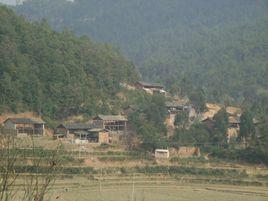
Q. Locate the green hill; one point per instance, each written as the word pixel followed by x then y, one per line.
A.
pixel 57 74
pixel 219 46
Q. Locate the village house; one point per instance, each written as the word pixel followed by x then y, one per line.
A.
pixel 69 130
pixel 234 111
pixel 116 123
pixel 177 106
pixel 82 133
pixel 211 110
pixel 150 87
pixel 213 107
pixel 98 135
pixel 234 114
pixel 93 135
pixel 234 122
pixel 23 126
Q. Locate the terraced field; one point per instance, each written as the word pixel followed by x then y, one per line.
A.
pixel 118 175
pixel 151 188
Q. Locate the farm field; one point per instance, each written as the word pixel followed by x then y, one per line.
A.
pixel 154 187
pixel 161 192
pixel 96 174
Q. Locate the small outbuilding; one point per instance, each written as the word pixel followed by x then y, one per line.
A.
pixel 177 106
pixel 150 87
pixel 93 135
pixel 146 85
pixel 161 153
pixel 65 130
pixel 98 135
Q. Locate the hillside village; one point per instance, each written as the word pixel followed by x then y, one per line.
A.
pixel 116 129
pixel 82 119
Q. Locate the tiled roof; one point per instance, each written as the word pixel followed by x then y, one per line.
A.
pixel 146 84
pixel 82 126
pixel 25 121
pixel 213 106
pixel 111 117
pixel 208 115
pixel 233 110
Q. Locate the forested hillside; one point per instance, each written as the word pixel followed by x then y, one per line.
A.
pixel 219 46
pixel 57 74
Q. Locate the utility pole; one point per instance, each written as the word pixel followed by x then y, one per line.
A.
pixel 79 153
pixel 100 187
pixel 133 187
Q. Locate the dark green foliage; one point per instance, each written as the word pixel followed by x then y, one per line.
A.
pixel 197 135
pixel 145 170
pixel 124 156
pixel 260 143
pixel 247 128
pixel 250 155
pixel 57 74
pixel 148 121
pixel 191 171
pixel 197 98
pixel 155 109
pixel 182 118
pixel 219 45
pixel 220 126
pixel 263 138
pixel 104 146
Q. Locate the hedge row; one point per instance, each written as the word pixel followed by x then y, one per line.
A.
pixel 145 170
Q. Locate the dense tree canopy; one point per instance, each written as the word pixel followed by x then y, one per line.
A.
pixel 220 46
pixel 57 74
pixel 148 121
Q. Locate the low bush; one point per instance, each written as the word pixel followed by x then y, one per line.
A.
pixel 248 155
pixel 191 170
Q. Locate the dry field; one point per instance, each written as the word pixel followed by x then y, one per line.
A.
pixel 148 192
pixel 149 188
pixel 120 187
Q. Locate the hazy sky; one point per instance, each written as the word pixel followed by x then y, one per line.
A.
pixel 8 1
pixel 13 2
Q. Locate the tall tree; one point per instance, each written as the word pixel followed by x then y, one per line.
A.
pixel 263 138
pixel 182 118
pixel 221 126
pixel 247 128
pixel 198 99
